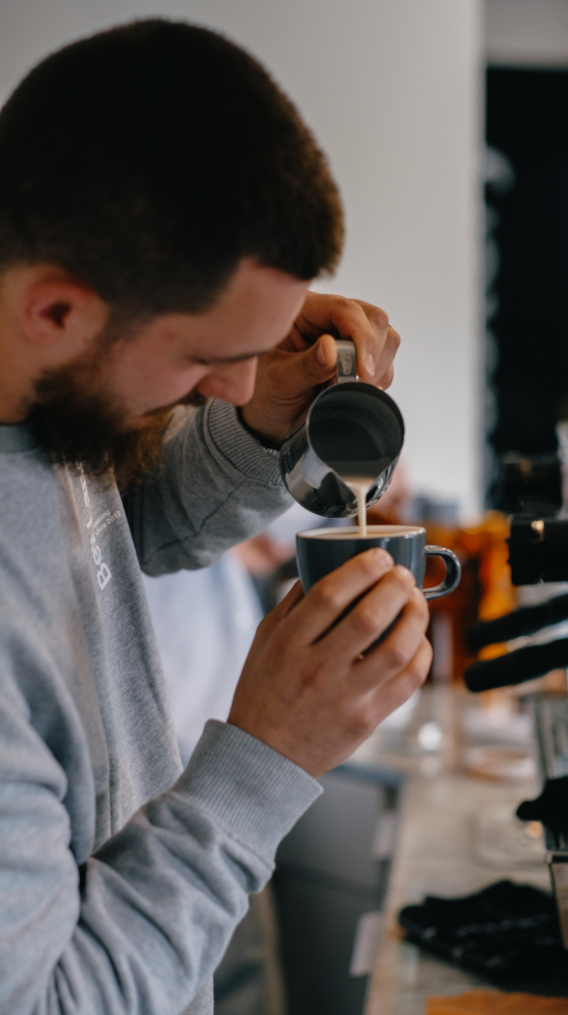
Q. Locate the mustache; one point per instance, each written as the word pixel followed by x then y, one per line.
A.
pixel 193 398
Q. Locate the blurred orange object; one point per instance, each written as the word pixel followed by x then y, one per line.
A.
pixel 484 592
pixel 498 595
pixel 492 1002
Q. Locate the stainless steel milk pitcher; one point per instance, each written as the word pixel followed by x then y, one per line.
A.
pixel 352 429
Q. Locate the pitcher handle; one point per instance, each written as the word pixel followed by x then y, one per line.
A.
pixel 452 576
pixel 346 361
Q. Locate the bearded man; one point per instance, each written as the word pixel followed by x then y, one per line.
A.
pixel 162 211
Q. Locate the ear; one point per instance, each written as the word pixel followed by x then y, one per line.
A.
pixel 57 314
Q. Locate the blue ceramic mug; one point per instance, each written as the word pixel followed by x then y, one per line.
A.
pixel 319 551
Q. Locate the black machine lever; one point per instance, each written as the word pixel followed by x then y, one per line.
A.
pixel 524 621
pixel 538 552
pixel 515 667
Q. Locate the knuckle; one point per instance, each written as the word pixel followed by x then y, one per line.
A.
pixel 416 675
pixel 395 338
pixel 419 668
pixel 409 686
pixel 428 653
pixel 362 721
pixel 387 379
pixel 397 656
pixel 404 577
pixel 309 370
pixel 419 604
pixel 327 596
pixel 318 676
pixel 365 620
pixel 381 318
pixel 342 304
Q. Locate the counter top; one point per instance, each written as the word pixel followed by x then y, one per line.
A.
pixel 434 854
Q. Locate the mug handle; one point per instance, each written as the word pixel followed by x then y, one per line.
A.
pixel 452 576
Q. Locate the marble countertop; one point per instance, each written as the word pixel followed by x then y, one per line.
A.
pixel 435 854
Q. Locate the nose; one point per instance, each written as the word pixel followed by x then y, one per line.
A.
pixel 233 383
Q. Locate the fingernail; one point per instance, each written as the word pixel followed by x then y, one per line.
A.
pixel 320 354
pixel 370 364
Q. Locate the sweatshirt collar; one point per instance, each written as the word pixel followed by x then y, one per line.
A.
pixel 17 437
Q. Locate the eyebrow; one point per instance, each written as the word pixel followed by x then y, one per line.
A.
pixel 205 361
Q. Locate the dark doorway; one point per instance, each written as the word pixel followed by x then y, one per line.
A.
pixel 527 124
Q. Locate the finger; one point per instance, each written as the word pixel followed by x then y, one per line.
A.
pixel 326 352
pixel 375 340
pixel 390 696
pixel 366 325
pixel 368 336
pixel 385 342
pixel 371 617
pixel 367 708
pixel 345 318
pixel 330 597
pixel 386 380
pixel 286 605
pixel 314 366
pixel 384 370
pixel 294 596
pixel 401 645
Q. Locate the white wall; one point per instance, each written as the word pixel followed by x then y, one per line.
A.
pixel 527 32
pixel 392 89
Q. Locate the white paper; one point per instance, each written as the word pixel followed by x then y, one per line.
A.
pixel 366 944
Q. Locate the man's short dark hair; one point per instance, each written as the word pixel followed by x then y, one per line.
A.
pixel 149 159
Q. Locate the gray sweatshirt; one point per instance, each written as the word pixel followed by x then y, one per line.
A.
pixel 122 877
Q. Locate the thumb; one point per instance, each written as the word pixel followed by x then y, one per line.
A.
pixel 319 362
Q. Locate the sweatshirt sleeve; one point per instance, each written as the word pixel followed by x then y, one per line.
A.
pixel 145 922
pixel 216 486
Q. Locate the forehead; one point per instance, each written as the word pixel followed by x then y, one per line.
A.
pixel 253 313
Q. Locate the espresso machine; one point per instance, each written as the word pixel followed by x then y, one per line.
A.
pixel 538 552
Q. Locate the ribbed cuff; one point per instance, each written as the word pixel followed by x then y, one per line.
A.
pixel 239 446
pixel 256 794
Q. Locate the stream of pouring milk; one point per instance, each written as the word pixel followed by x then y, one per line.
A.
pixel 360 486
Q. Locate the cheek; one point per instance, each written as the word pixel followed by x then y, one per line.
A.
pixel 145 384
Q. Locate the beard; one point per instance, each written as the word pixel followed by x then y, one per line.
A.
pixel 76 422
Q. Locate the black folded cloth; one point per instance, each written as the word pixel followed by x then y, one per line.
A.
pixel 515 667
pixel 524 621
pixel 551 807
pixel 504 932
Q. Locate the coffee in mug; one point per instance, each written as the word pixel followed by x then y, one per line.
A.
pixel 320 551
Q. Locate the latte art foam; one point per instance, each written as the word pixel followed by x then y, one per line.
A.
pixel 371 532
